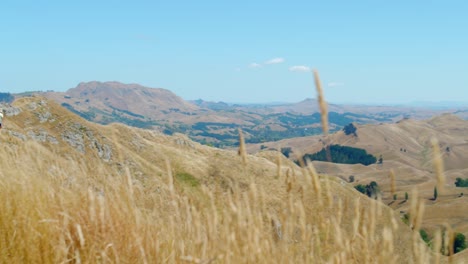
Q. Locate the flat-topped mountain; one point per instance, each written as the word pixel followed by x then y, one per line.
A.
pixel 130 96
pixel 103 100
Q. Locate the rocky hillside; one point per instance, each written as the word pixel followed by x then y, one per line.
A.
pixel 78 191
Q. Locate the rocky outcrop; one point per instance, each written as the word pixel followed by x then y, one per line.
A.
pixel 10 110
pixel 41 110
pixel 104 151
pixel 77 135
pixel 42 136
pixel 17 134
pixel 75 139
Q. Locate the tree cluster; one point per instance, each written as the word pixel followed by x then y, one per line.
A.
pixel 343 154
pixel 372 189
pixel 459 244
pixel 459 182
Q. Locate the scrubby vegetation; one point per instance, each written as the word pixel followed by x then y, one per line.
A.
pixel 372 190
pixel 343 154
pixel 286 151
pixel 459 243
pixel 350 129
pixel 188 179
pixel 424 236
pixel 459 182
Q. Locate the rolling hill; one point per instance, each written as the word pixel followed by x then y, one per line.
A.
pixel 83 192
pixel 405 148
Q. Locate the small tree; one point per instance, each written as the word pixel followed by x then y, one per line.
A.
pixel 424 236
pixel 406 218
pixel 395 197
pixel 435 193
pixel 380 160
pixel 286 151
pixel 372 190
pixel 406 196
pixel 350 129
pixel 351 178
pixel 361 188
pixel 459 243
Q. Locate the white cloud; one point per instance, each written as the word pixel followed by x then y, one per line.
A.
pixel 299 68
pixel 335 84
pixel 254 65
pixel 275 61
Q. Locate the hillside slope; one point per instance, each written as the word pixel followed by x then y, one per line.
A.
pixel 81 192
pixel 405 148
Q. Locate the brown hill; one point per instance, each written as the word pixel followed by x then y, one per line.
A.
pixel 130 100
pixel 76 191
pixel 405 148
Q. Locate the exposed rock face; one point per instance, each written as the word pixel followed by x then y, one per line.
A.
pixel 183 141
pixel 44 117
pixel 75 139
pixel 10 110
pixel 104 151
pixel 41 111
pixel 78 134
pixel 42 136
pixel 17 134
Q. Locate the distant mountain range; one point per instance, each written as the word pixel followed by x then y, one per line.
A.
pixel 216 123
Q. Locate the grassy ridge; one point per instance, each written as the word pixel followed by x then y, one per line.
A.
pixel 59 209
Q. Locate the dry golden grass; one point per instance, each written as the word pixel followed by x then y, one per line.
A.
pixel 321 102
pixel 56 210
pixel 61 206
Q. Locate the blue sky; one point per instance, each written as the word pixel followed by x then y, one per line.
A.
pixel 241 51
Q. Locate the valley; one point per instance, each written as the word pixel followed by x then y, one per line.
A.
pixel 216 123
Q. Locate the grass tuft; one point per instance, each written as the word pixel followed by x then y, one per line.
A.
pixel 188 179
